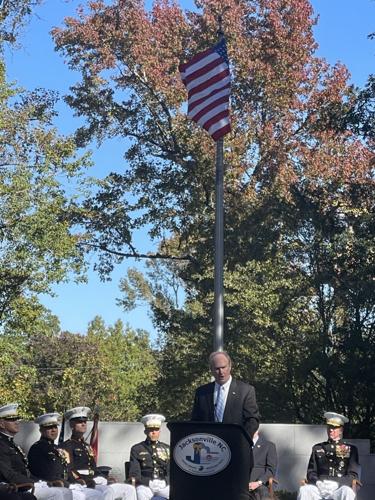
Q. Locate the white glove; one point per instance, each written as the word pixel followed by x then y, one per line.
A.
pixel 77 487
pixel 327 487
pixel 100 480
pixel 157 484
pixel 40 484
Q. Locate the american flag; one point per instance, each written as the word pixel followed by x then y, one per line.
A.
pixel 207 79
pixel 94 438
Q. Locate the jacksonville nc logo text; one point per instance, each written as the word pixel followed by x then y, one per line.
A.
pixel 202 454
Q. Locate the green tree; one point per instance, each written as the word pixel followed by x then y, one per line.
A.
pixel 111 367
pixel 43 368
pixel 38 240
pixel 39 245
pixel 38 170
pixel 13 15
pixel 129 370
pixel 19 375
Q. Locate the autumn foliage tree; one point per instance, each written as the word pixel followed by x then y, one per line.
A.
pixel 298 197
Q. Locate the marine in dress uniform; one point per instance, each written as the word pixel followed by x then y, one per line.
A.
pixel 50 463
pixel 149 461
pixel 82 460
pixel 13 461
pixel 332 466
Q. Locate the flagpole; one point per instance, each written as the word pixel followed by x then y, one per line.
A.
pixel 219 234
pixel 219 249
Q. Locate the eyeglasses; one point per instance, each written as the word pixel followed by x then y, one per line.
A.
pixel 52 426
pixel 11 419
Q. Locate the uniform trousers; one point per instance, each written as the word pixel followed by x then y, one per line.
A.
pixel 52 493
pixel 146 493
pixel 86 493
pixel 311 492
pixel 117 491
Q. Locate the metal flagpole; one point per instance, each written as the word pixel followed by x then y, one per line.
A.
pixel 219 249
pixel 219 236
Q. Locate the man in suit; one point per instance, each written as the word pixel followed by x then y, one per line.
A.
pixel 332 466
pixel 149 462
pixel 13 461
pixel 226 399
pixel 265 465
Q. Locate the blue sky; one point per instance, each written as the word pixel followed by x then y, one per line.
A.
pixel 341 33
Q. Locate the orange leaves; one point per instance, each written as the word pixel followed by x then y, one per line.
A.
pixel 283 97
pixel 159 53
pixel 87 38
pixel 336 159
pixel 142 46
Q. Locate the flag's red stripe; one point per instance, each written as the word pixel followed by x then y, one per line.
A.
pixel 201 55
pixel 208 108
pixel 221 132
pixel 216 118
pixel 196 103
pixel 208 83
pixel 203 70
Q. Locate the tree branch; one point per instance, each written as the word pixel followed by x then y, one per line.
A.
pixel 137 255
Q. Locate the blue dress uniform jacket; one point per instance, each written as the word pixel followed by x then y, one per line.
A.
pixel 13 462
pixel 48 462
pixel 81 457
pixel 149 460
pixel 337 461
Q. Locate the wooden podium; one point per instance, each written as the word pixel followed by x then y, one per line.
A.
pixel 209 460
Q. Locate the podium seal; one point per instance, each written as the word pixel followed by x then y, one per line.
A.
pixel 202 454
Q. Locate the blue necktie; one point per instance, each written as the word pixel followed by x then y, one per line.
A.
pixel 219 406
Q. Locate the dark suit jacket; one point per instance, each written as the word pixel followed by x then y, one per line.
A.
pixel 241 406
pixel 265 461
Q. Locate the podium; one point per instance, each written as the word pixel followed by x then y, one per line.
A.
pixel 209 460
